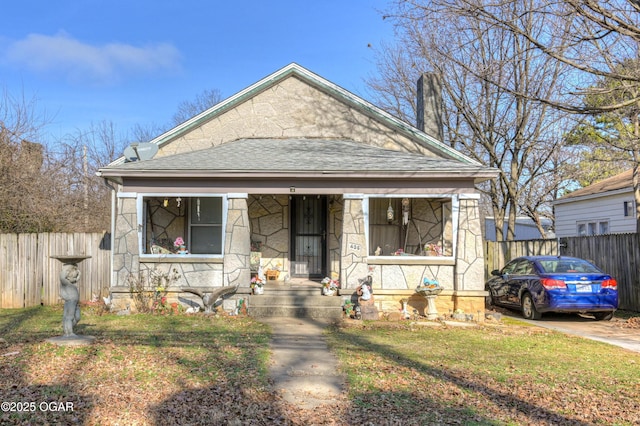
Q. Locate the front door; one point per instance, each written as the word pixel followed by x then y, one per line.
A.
pixel 309 236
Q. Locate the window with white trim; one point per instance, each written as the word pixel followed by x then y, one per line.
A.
pixel 183 225
pixel 410 226
pixel 598 227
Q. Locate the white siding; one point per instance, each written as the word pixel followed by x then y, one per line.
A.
pixel 595 209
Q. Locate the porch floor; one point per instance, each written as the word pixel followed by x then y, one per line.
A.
pixel 295 283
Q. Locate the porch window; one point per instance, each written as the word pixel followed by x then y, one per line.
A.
pixel 198 221
pixel 410 226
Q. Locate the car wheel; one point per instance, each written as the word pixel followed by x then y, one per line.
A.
pixel 488 300
pixel 603 316
pixel 529 309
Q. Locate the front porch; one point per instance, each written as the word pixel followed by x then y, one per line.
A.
pixel 308 237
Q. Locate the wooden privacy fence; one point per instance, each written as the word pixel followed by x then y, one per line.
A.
pixel 616 254
pixel 30 277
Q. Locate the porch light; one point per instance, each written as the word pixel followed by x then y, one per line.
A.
pixel 166 202
pixel 390 212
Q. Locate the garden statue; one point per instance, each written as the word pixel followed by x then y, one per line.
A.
pixel 69 276
pixel 69 292
pixel 366 309
pixel 210 298
pixel 364 289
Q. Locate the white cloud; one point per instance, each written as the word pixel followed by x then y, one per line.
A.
pixel 80 62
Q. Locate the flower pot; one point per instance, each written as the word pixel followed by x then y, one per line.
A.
pixel 328 291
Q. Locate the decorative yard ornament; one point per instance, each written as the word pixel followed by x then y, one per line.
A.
pixel 405 211
pixel 210 298
pixel 69 277
pixel 390 212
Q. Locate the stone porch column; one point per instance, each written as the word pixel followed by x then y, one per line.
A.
pixel 125 244
pixel 237 246
pixel 354 246
pixel 470 248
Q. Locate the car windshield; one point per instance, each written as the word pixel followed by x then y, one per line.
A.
pixel 567 265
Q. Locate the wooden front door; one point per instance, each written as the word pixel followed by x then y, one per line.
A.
pixel 309 236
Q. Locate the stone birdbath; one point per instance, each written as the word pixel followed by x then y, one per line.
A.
pixel 430 289
pixel 69 277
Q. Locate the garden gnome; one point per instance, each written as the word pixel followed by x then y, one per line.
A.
pixel 364 290
pixel 69 276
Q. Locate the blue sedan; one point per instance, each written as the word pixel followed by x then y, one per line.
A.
pixel 538 284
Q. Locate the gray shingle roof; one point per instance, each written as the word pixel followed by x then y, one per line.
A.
pixel 296 155
pixel 620 181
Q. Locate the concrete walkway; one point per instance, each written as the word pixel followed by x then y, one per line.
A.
pixel 303 370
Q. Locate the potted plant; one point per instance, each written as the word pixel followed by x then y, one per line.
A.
pixel 179 244
pixel 329 286
pixel 257 285
pixel 433 249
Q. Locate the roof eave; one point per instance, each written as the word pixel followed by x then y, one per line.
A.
pixel 481 174
pixel 570 199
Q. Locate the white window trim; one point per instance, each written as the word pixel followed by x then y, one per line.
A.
pixel 142 224
pixel 455 213
pixel 596 222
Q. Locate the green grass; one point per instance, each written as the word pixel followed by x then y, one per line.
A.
pixel 490 375
pixel 148 369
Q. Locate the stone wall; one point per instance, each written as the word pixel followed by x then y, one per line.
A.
pixel 177 272
pixel 125 241
pixel 269 218
pixel 470 256
pixel 336 209
pixel 292 109
pixel 354 266
pixel 237 244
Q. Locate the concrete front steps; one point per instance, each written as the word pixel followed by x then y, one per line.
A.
pixel 293 300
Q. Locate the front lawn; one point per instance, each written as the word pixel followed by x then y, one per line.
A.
pixel 199 369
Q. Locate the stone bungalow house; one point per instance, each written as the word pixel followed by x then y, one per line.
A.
pixel 306 179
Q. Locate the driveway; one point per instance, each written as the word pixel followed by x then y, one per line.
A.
pixel 619 332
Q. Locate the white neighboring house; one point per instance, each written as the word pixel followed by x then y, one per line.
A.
pixel 606 207
pixel 526 229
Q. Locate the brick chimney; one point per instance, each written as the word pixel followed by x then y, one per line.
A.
pixel 429 106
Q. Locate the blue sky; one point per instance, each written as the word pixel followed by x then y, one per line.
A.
pixel 132 62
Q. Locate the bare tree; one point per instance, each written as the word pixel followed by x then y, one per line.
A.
pixel 186 110
pixel 599 39
pixel 55 189
pixel 82 154
pixel 28 186
pixel 203 101
pixel 482 68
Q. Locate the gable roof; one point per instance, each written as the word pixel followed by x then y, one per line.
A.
pixel 324 85
pixel 297 157
pixel 619 182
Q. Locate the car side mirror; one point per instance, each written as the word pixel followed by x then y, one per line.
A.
pixel 495 272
